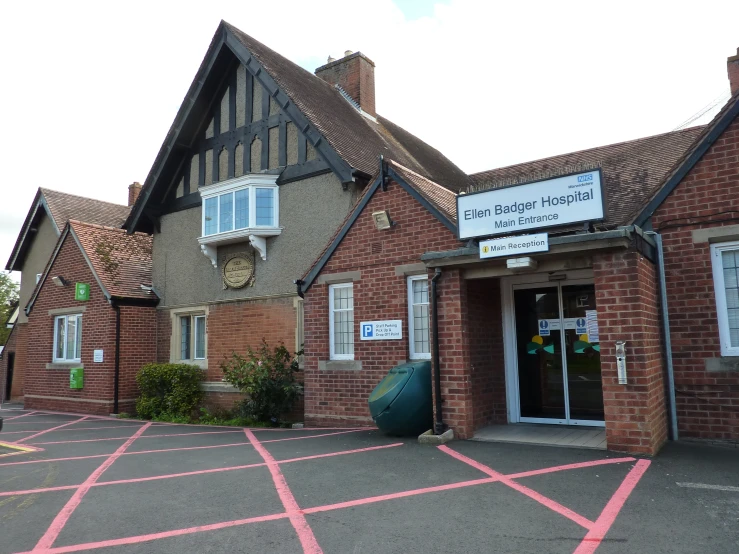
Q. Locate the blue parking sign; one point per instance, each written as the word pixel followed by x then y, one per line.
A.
pixel 367 330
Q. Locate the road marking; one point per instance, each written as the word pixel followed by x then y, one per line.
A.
pixel 296 516
pixel 708 487
pixel 599 530
pixel 50 430
pixel 47 541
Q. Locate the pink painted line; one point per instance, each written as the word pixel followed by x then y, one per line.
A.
pixel 163 535
pixel 47 541
pixel 540 498
pixel 580 465
pixel 191 473
pixel 297 518
pixel 310 437
pixel 144 437
pixel 74 429
pixel 50 430
pixel 161 450
pixel 600 528
pixel 18 416
pixel 395 495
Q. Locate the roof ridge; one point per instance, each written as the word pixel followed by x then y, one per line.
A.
pixel 584 150
pixel 443 188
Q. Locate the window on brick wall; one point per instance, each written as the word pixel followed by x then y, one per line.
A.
pixel 725 258
pixel 418 317
pixel 67 338
pixel 341 321
pixel 191 337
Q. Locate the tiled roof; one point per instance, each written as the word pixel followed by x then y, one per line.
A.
pixel 442 198
pixel 122 262
pixel 64 207
pixel 632 171
pixel 357 139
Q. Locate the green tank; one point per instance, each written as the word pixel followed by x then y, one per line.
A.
pixel 401 403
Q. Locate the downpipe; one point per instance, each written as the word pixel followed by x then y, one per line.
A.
pixel 666 326
pixel 439 426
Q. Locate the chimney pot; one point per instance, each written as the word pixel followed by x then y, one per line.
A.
pixel 732 68
pixel 348 53
pixel 355 75
pixel 330 59
pixel 134 189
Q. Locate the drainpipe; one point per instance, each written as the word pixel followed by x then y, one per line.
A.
pixel 666 325
pixel 116 378
pixel 439 426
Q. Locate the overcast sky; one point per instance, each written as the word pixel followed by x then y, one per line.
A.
pixel 89 89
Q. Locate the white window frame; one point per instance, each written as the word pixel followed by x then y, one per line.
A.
pixel 720 290
pixel 78 329
pixel 193 317
pixel 331 324
pixel 411 320
pixel 256 234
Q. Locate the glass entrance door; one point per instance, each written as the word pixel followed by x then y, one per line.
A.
pixel 558 355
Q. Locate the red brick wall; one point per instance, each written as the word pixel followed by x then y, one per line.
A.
pixel 628 310
pixel 137 348
pixel 340 397
pixel 707 402
pixel 485 325
pixel 98 332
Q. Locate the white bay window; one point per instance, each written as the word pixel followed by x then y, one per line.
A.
pixel 241 209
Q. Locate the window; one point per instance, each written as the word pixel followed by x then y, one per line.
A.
pixel 67 338
pixel 239 207
pixel 341 321
pixel 725 258
pixel 192 337
pixel 418 317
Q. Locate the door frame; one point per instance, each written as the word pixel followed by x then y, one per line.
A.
pixel 510 351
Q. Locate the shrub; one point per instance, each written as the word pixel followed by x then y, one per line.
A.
pixel 267 377
pixel 169 391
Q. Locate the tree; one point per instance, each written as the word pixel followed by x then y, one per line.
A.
pixel 8 302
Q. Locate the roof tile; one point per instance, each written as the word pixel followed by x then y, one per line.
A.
pixel 65 206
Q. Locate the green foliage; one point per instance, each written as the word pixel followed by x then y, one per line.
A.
pixel 267 377
pixel 8 303
pixel 169 392
pixel 226 417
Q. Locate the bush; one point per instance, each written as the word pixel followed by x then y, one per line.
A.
pixel 267 377
pixel 169 391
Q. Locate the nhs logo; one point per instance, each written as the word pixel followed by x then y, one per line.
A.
pixel 584 178
pixel 368 330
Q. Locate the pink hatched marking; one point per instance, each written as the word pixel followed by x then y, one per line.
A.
pixel 50 430
pixel 296 516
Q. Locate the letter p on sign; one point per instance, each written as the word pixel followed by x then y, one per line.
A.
pixel 367 330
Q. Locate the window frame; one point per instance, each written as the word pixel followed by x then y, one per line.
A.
pixel 413 355
pixel 77 341
pixel 722 311
pixel 193 337
pixel 331 324
pixel 216 192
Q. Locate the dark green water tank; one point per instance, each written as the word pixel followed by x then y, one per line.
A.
pixel 401 403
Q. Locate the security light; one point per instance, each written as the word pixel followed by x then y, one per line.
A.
pixel 58 281
pixel 382 220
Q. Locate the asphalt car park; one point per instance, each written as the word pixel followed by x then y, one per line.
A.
pixel 73 483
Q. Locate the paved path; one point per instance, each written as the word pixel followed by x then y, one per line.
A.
pixel 121 486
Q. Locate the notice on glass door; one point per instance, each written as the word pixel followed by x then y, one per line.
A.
pixel 591 317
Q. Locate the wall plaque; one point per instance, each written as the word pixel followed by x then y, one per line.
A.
pixel 238 271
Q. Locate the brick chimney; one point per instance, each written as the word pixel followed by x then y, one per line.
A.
pixel 134 189
pixel 732 66
pixel 355 73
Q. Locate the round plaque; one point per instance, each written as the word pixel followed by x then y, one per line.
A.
pixel 238 271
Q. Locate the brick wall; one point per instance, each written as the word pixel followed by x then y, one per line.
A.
pixel 340 397
pixel 628 309
pixel 49 388
pixel 487 364
pixel 137 348
pixel 708 197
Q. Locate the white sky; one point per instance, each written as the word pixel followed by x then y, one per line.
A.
pixel 89 89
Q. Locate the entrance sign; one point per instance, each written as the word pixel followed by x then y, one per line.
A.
pixel 381 330
pixel 561 201
pixel 512 246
